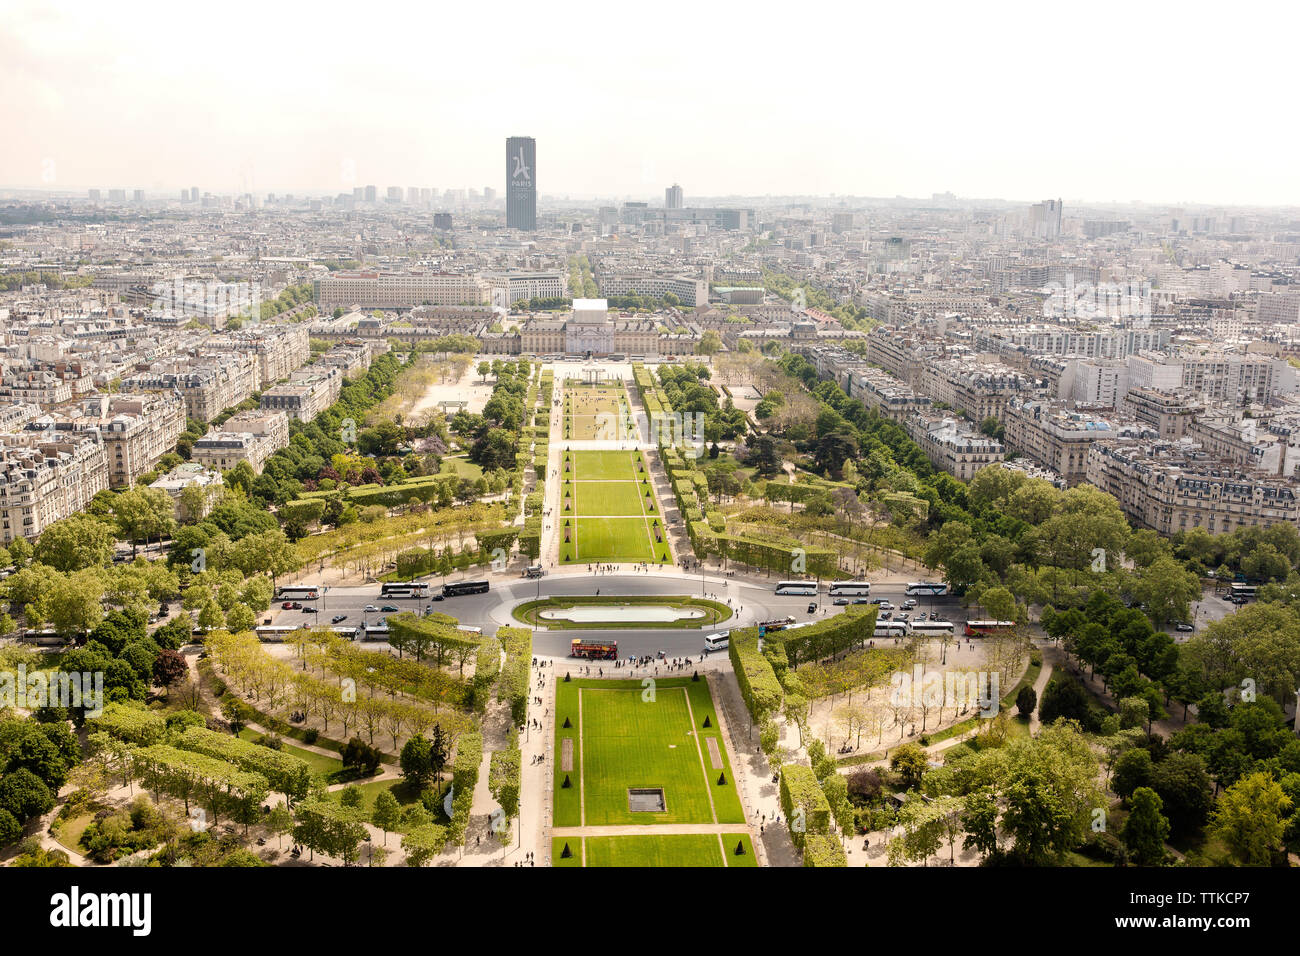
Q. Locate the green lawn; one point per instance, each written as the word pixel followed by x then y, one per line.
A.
pixel 603 465
pixel 609 539
pixel 729 841
pixel 629 741
pixel 677 849
pixel 405 795
pixel 319 763
pixel 575 848
pixel 605 498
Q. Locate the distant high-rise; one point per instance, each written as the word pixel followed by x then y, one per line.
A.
pixel 673 197
pixel 194 194
pixel 489 193
pixel 521 183
pixel 1045 219
pixel 94 195
pixel 372 194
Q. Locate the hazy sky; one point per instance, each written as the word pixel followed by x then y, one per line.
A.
pixel 1115 101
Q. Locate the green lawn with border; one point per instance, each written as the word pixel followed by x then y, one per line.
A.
pixel 729 841
pixel 557 851
pixel 605 498
pixel 629 741
pixel 616 540
pixel 669 849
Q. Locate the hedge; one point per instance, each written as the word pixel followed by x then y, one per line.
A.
pixel 823 849
pixel 801 791
pixel 759 687
pixel 513 684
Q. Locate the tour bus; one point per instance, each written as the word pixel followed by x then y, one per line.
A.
pixel 469 630
pixel 375 632
pixel 780 624
pixel 797 587
pixel 985 628
pixel 716 642
pixel 1243 591
pixel 299 592
pixel 850 588
pixel 280 632
pixel 926 628
pixel 926 589
pixel 594 650
pixel 404 589
pixel 457 588
pixel 890 629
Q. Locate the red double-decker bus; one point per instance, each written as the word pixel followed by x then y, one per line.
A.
pixel 594 650
pixel 985 628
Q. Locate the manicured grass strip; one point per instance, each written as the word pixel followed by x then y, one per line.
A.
pixel 567 807
pixel 671 849
pixel 406 795
pixel 575 847
pixel 616 540
pixel 726 801
pixel 729 841
pixel 630 741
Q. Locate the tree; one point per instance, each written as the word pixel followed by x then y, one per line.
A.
pixel 710 343
pixel 387 812
pixel 415 762
pixel 909 761
pixel 169 668
pixel 423 843
pixel 1249 818
pixel 1185 790
pixel 24 795
pixel 1145 830
pixel 1026 701
pixel 1132 770
pixel 74 543
pixel 483 369
pixel 142 514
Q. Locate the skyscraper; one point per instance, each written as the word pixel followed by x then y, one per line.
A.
pixel 1045 219
pixel 521 183
pixel 673 197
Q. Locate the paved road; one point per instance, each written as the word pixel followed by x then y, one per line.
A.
pixel 754 599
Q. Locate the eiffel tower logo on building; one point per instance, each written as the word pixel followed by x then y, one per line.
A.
pixel 521 167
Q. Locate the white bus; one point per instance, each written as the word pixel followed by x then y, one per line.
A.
pixel 404 589
pixel 926 589
pixel 851 588
pixel 890 629
pixel 300 592
pixel 716 642
pixel 936 628
pixel 375 632
pixel 808 588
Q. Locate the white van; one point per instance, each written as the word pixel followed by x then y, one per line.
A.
pixel 716 642
pixel 534 571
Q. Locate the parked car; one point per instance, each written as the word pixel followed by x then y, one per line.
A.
pixel 886 615
pixel 338 618
pixel 370 608
pixel 309 610
pixel 886 606
pixel 289 606
pixel 1183 626
pixel 389 609
pixel 840 600
pixel 812 607
pixel 909 604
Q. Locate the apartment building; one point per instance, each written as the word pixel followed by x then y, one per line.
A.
pixel 208 387
pixel 511 287
pixel 306 395
pixel 248 436
pixel 44 481
pixel 1242 441
pixel 690 292
pixel 1176 486
pixel 278 350
pixel 977 389
pixel 1170 414
pixel 392 290
pixel 951 445
pixel 1055 436
pixel 190 475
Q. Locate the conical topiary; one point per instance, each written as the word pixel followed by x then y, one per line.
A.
pixel 722 780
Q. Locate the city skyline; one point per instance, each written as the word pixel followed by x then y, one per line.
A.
pixel 162 123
